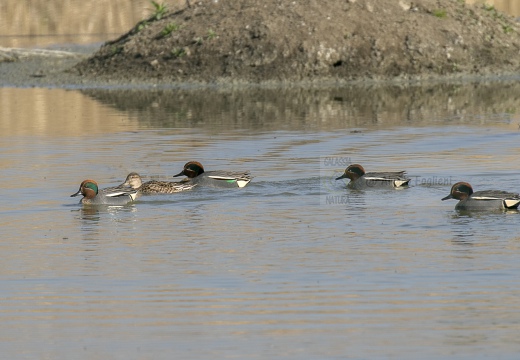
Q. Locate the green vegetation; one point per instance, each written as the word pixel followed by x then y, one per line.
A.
pixel 199 40
pixel 440 13
pixel 114 50
pixel 497 16
pixel 141 25
pixel 455 67
pixel 159 10
pixel 507 28
pixel 178 52
pixel 494 12
pixel 211 34
pixel 168 29
pixel 489 7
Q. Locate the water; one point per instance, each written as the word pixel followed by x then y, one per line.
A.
pixel 294 266
pixel 274 270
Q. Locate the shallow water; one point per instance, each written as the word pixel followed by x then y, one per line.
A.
pixel 294 266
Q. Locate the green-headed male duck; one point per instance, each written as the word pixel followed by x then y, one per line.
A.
pixel 91 194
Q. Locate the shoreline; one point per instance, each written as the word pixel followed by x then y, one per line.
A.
pixel 57 72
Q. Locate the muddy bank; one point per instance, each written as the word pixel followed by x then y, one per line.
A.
pixel 56 73
pixel 44 67
pixel 255 41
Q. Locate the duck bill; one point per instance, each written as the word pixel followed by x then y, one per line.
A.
pixel 341 177
pixel 179 174
pixel 76 194
pixel 447 197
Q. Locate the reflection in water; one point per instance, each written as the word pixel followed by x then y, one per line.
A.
pixel 312 109
pixel 463 232
pixel 89 213
pixel 94 218
pixel 56 112
pixel 467 226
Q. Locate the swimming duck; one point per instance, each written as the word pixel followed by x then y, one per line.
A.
pixel 91 194
pixel 216 178
pixel 482 200
pixel 361 180
pixel 134 181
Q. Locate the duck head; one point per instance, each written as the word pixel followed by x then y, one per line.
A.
pixel 191 169
pixel 133 180
pixel 353 172
pixel 88 188
pixel 460 191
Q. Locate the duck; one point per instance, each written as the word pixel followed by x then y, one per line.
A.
pixel 359 179
pixel 482 200
pixel 134 181
pixel 195 173
pixel 92 195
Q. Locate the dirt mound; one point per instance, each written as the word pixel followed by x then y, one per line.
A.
pixel 279 40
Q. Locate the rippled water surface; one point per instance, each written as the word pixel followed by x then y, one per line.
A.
pixel 294 266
